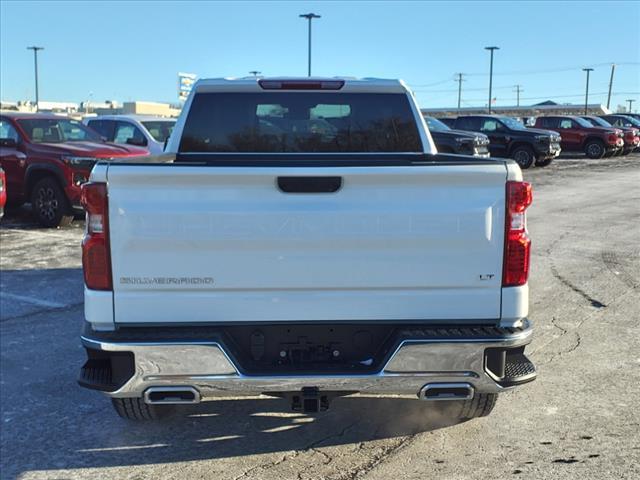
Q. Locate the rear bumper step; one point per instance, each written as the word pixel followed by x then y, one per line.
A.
pixel 419 362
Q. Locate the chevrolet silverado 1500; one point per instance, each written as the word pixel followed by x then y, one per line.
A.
pixel 306 242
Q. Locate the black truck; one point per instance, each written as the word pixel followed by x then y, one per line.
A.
pixel 509 138
pixel 448 140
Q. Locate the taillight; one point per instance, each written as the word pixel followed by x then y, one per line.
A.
pixel 517 245
pixel 96 261
pixel 301 84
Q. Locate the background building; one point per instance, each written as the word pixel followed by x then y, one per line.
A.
pixel 537 110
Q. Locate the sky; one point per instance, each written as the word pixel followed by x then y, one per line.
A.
pixel 133 50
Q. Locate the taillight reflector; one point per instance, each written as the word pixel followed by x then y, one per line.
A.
pixel 517 245
pixel 96 261
pixel 301 84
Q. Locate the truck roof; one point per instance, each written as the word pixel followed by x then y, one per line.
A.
pixel 139 118
pixel 253 84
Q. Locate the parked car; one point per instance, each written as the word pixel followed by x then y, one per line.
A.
pixel 457 141
pixel 578 135
pixel 356 259
pixel 511 139
pixel 3 192
pixel 142 131
pixel 632 115
pixel 631 134
pixel 620 121
pixel 46 158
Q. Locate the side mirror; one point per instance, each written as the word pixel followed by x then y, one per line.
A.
pixel 137 141
pixel 8 143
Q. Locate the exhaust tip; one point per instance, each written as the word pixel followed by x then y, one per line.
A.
pixel 446 391
pixel 171 395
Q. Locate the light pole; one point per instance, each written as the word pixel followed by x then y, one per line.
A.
pixel 519 90
pixel 459 89
pixel 309 16
pixel 630 100
pixel 35 62
pixel 613 69
pixel 491 49
pixel 255 72
pixel 586 93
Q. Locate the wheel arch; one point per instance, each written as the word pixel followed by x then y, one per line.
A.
pixel 37 172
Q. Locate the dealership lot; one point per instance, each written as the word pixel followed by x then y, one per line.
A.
pixel 579 419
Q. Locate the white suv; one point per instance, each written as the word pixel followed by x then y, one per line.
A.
pixel 144 131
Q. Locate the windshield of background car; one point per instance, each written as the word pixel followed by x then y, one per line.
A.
pixel 436 125
pixel 598 122
pixel 159 130
pixel 512 123
pixel 53 130
pixel 582 122
pixel 629 122
pixel 300 123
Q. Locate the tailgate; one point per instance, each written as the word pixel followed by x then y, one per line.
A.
pixel 201 244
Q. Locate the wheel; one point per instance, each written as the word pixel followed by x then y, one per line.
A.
pixel 479 406
pixel 543 162
pixel 135 409
pixel 524 156
pixel 594 149
pixel 49 204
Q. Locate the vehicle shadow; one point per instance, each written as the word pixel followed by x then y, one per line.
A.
pixel 241 427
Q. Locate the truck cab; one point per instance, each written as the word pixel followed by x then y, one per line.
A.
pixel 145 131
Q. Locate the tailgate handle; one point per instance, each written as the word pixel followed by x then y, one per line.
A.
pixel 309 184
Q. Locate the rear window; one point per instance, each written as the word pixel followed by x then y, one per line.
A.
pixel 300 123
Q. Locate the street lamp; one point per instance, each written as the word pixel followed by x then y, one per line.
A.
pixel 309 16
pixel 630 100
pixel 35 61
pixel 255 72
pixel 491 49
pixel 586 93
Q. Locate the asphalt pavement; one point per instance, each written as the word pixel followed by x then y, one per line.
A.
pixel 580 419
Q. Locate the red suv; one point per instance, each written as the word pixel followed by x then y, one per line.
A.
pixel 46 158
pixel 631 134
pixel 578 135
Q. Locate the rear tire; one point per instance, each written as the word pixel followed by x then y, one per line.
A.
pixel 135 409
pixel 49 204
pixel 594 149
pixel 524 156
pixel 480 405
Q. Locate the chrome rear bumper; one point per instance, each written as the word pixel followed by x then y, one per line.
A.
pixel 206 367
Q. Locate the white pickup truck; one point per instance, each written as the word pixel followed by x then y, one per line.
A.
pixel 306 241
